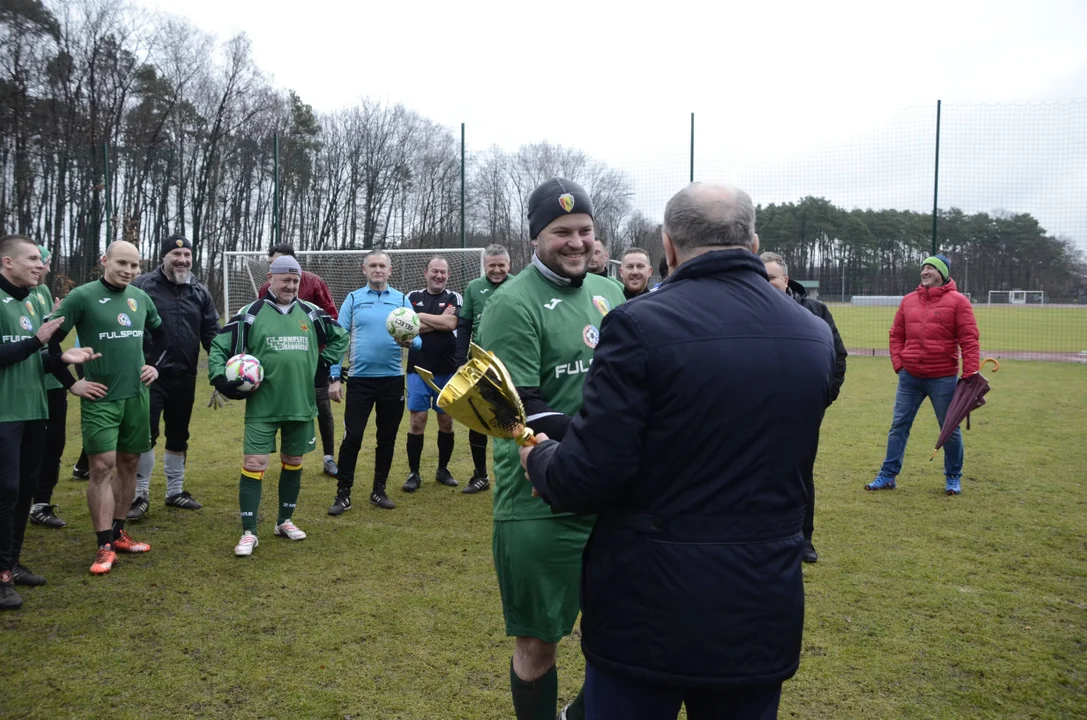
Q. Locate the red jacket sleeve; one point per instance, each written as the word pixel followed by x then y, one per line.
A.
pixel 966 327
pixel 898 336
pixel 323 298
pixel 263 290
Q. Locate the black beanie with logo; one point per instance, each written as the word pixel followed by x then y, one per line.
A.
pixel 552 199
pixel 174 242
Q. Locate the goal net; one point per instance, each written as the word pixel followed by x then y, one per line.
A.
pixel 245 272
pixel 1017 297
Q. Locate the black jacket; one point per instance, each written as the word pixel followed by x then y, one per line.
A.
pixel 700 422
pixel 820 310
pixel 188 313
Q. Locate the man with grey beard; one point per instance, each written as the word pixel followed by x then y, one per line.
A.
pixel 190 319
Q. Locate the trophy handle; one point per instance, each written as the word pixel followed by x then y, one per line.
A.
pixel 428 378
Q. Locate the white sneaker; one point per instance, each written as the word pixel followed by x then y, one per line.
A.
pixel 245 546
pixel 289 529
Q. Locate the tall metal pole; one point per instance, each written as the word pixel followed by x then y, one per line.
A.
pixel 936 181
pixel 691 147
pixel 109 204
pixel 463 239
pixel 275 189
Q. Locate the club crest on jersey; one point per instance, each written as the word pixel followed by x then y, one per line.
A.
pixel 25 322
pixel 124 320
pixel 591 336
pixel 602 304
pixel 304 326
pixel 30 307
pixel 567 201
pixel 132 304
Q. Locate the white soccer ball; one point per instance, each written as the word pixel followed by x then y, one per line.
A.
pixel 402 324
pixel 248 369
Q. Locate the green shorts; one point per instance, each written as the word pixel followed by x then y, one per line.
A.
pixel 538 563
pixel 298 437
pixel 121 425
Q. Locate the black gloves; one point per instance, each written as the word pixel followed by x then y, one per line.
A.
pixel 229 388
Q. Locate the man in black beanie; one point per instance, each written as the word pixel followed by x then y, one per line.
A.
pixel 544 325
pixel 190 319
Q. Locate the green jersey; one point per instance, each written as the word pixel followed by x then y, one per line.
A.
pixel 475 297
pixel 112 322
pixel 22 385
pixel 44 305
pixel 545 334
pixel 289 342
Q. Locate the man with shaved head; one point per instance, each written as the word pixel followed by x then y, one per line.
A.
pixel 691 585
pixel 112 315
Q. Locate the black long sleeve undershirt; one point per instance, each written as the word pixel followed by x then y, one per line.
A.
pixel 542 418
pixel 16 352
pixel 13 353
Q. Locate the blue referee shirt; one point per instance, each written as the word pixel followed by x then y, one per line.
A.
pixel 372 352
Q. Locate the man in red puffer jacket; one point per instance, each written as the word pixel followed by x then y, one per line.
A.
pixel 933 324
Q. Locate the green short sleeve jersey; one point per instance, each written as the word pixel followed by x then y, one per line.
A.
pixel 22 385
pixel 475 297
pixel 44 305
pixel 289 342
pixel 112 321
pixel 545 335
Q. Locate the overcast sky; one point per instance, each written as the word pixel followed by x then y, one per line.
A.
pixel 791 98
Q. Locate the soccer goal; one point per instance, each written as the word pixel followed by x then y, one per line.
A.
pixel 1017 297
pixel 245 272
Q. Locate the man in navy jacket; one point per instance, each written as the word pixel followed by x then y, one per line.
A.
pixel 700 422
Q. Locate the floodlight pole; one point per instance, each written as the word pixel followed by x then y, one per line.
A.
pixel 692 148
pixel 109 208
pixel 462 236
pixel 275 189
pixel 936 182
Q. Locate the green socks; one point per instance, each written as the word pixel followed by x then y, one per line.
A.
pixel 535 700
pixel 249 487
pixel 290 483
pixel 249 499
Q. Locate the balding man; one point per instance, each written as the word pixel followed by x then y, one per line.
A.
pixel 375 379
pixel 112 316
pixel 691 589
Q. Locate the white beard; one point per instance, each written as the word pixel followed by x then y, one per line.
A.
pixel 180 277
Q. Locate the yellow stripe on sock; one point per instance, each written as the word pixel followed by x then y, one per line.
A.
pixel 291 467
pixel 255 474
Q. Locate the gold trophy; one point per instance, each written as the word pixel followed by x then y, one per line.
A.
pixel 481 395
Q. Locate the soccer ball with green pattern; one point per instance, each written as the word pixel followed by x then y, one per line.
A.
pixel 402 324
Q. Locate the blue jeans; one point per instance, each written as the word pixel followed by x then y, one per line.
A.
pixel 912 391
pixel 614 697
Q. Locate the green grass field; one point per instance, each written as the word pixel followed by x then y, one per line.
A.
pixel 1002 327
pixel 922 606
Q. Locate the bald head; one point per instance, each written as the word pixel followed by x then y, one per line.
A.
pixel 710 215
pixel 122 263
